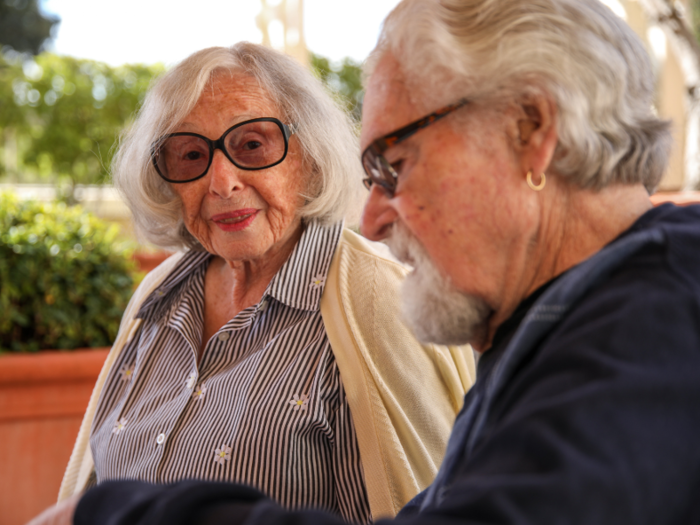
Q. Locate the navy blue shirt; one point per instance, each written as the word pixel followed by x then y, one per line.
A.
pixel 598 423
pixel 586 409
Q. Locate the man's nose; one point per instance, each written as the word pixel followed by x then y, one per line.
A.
pixel 378 215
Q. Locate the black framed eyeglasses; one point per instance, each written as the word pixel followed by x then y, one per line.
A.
pixel 378 169
pixel 251 145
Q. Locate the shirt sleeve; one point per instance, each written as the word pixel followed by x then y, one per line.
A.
pixel 187 502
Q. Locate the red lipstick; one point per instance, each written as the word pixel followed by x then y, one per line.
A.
pixel 235 221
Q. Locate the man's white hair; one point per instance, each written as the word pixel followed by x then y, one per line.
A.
pixel 578 52
pixel 330 154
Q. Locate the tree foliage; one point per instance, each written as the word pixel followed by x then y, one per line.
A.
pixel 343 79
pixel 24 27
pixel 63 115
pixel 695 18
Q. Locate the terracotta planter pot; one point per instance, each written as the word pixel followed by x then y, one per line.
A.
pixel 148 261
pixel 42 400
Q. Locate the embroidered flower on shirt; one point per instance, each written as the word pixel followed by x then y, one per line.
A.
pixel 199 392
pixel 317 282
pixel 299 402
pixel 127 372
pixel 222 454
pixel 190 381
pixel 119 426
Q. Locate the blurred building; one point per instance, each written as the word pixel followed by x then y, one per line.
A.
pixel 671 91
pixel 282 25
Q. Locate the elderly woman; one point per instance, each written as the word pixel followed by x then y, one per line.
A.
pixel 510 147
pixel 259 354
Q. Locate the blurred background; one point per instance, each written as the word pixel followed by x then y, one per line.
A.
pixel 72 74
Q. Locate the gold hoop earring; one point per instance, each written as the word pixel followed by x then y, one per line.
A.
pixel 538 187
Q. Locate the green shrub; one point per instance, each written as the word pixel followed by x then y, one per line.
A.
pixel 65 278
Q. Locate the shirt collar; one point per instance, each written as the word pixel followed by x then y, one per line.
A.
pixel 299 283
pixel 302 278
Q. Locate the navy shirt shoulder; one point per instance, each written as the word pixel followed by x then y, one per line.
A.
pixel 599 423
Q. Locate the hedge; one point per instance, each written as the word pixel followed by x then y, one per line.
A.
pixel 65 277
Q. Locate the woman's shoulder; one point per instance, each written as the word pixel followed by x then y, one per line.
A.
pixel 150 282
pixel 159 273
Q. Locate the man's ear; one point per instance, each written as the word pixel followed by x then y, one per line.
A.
pixel 536 132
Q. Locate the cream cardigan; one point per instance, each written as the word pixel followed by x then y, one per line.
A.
pixel 403 396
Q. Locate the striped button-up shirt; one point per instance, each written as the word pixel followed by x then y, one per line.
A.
pixel 265 405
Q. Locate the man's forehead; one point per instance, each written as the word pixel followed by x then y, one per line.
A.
pixel 387 103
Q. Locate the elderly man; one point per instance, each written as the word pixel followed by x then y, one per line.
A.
pixel 510 147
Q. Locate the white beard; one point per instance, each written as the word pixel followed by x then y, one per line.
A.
pixel 431 306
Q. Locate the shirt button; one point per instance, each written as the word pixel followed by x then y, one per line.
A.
pixel 263 306
pixel 223 336
pixel 160 439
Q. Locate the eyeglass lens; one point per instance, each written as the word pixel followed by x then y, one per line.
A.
pixel 379 171
pixel 253 145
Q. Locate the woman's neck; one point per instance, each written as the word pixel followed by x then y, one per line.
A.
pixel 233 286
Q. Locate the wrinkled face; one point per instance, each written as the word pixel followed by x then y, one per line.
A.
pixel 459 187
pixel 238 214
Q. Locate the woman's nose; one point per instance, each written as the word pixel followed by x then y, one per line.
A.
pixel 378 215
pixel 224 176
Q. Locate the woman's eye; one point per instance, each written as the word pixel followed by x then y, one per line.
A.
pixel 252 144
pixel 193 155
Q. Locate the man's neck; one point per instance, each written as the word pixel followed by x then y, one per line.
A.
pixel 573 226
pixel 592 220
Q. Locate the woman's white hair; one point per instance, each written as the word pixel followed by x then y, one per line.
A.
pixel 328 140
pixel 577 52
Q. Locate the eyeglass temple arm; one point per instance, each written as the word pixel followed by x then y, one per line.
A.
pixel 290 129
pixel 381 145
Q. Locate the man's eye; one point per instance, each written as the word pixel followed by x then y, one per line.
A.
pixel 397 165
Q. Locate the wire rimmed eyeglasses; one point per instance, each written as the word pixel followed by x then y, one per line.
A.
pixel 379 171
pixel 255 144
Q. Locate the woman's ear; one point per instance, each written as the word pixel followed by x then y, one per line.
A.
pixel 536 132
